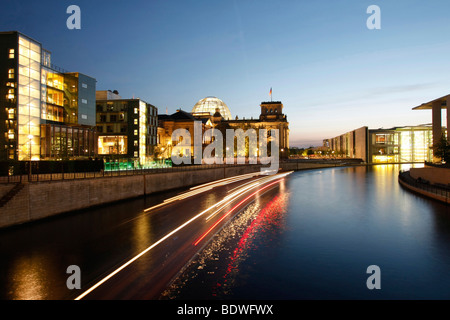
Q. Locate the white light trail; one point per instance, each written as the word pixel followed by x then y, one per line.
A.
pixel 168 235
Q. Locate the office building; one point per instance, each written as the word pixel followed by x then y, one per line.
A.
pixel 126 128
pixel 46 112
pixel 408 144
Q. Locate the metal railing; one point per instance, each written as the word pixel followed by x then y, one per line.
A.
pixel 438 190
pixel 40 177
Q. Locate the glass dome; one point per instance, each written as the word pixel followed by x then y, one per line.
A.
pixel 210 104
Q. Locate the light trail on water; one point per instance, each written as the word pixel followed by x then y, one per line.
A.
pixel 228 199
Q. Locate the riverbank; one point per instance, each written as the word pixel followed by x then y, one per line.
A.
pixel 428 182
pixel 35 200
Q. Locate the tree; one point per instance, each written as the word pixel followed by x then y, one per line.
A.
pixel 442 149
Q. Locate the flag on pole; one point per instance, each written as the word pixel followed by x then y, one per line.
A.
pixel 270 93
pixel 167 111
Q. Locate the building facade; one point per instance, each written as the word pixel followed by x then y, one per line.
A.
pixel 46 113
pixel 436 106
pixel 126 128
pixel 351 144
pixel 167 124
pixel 407 144
pixel 213 113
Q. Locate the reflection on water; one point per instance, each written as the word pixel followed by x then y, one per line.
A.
pixel 317 236
pixel 216 270
pixel 312 237
pixel 28 277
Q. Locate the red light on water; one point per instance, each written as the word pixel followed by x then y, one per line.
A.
pixel 226 214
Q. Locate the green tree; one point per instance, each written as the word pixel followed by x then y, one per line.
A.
pixel 442 149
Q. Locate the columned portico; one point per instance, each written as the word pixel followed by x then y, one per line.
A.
pixel 436 107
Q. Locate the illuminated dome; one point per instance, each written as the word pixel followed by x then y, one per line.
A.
pixel 210 104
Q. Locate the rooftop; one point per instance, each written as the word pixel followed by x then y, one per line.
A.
pixel 429 105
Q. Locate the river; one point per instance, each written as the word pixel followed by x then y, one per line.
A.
pixel 317 236
pixel 311 237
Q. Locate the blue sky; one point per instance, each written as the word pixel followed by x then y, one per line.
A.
pixel 330 71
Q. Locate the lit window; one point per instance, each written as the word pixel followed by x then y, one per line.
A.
pixel 11 74
pixel 11 53
pixel 135 132
pixel 10 94
pixel 136 143
pixel 135 121
pixel 11 113
pixel 136 154
pixel 136 110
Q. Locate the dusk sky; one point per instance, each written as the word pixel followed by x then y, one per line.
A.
pixel 329 70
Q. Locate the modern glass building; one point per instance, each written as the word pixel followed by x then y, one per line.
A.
pixel 401 144
pixel 127 128
pixel 394 145
pixel 47 113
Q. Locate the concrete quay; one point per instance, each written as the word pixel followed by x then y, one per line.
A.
pixel 38 200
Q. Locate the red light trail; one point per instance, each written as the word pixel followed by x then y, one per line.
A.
pixel 236 206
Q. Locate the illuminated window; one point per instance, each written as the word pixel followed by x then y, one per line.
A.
pixel 136 121
pixel 136 110
pixel 11 53
pixel 11 74
pixel 11 113
pixel 136 154
pixel 29 99
pixel 112 144
pixel 11 134
pixel 135 132
pixel 10 94
pixel 136 143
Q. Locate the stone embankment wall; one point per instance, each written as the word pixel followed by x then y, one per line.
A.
pixel 38 200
